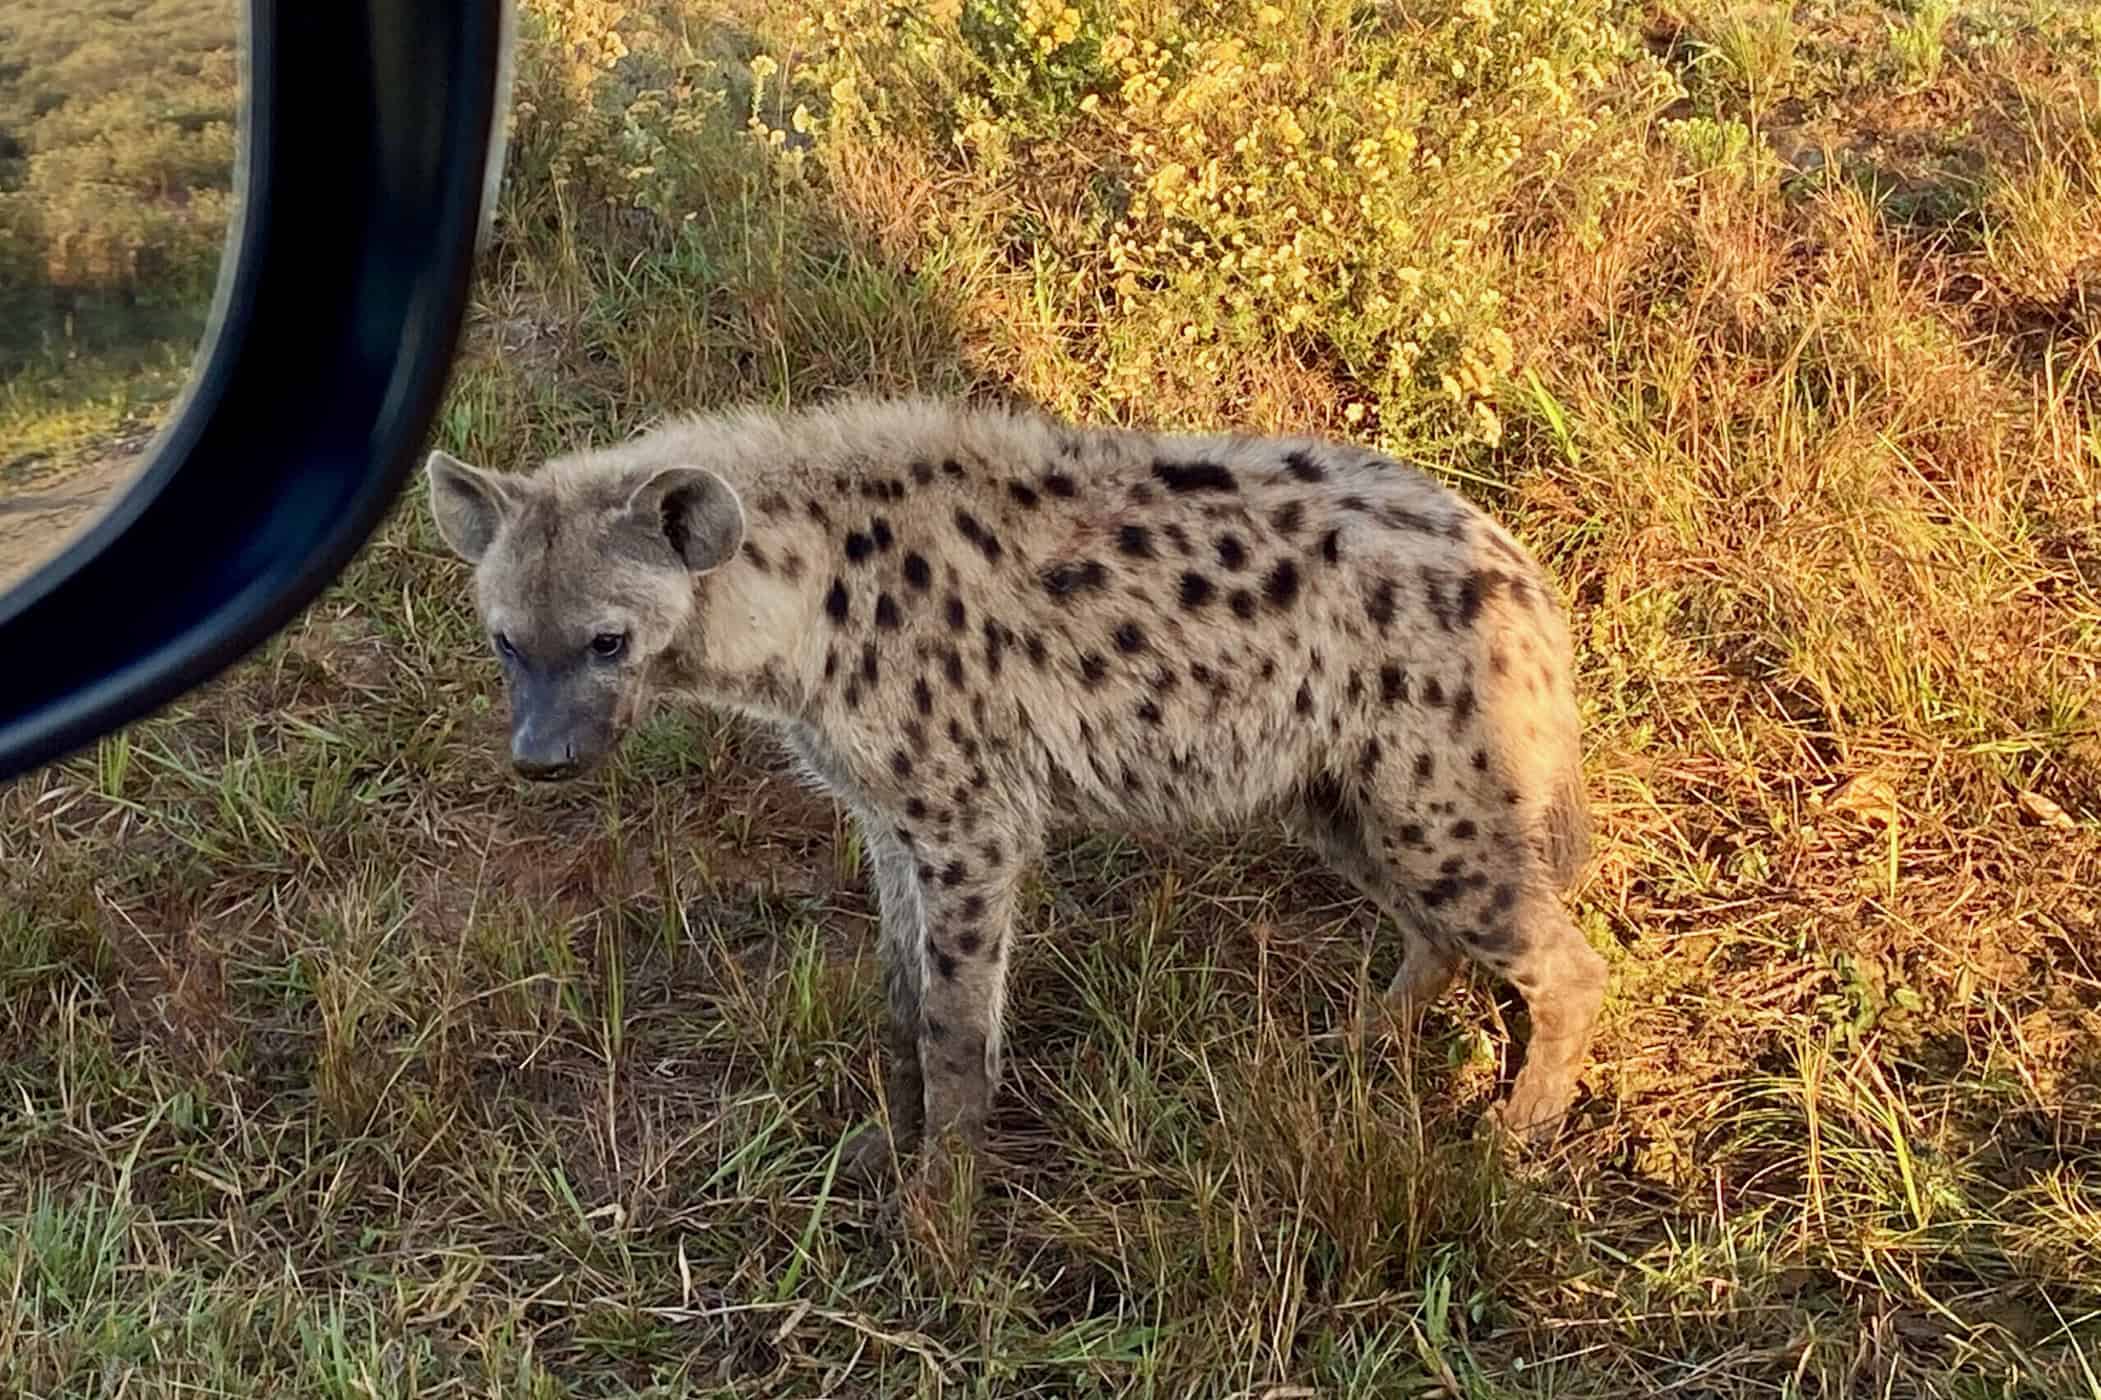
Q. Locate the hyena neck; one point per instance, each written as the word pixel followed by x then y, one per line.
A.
pixel 752 642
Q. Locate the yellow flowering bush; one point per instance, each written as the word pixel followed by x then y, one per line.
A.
pixel 1281 177
pixel 1193 185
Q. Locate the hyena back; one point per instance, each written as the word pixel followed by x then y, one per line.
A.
pixel 976 627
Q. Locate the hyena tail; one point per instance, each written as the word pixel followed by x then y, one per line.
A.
pixel 1565 835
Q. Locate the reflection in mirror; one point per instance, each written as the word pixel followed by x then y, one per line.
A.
pixel 117 139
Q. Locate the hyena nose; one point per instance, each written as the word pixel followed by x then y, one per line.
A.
pixel 545 770
pixel 544 763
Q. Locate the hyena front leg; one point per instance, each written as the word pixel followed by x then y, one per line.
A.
pixel 968 886
pixel 902 955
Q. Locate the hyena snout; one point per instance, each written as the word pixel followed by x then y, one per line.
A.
pixel 552 740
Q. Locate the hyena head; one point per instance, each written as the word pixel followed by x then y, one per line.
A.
pixel 583 584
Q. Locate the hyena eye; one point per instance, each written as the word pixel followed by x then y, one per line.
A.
pixel 607 645
pixel 504 647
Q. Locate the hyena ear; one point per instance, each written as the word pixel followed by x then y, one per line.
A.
pixel 695 511
pixel 468 503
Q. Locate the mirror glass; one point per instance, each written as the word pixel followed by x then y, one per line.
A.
pixel 118 128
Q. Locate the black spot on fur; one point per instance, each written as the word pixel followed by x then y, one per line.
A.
pixel 1393 684
pixel 1083 576
pixel 1194 476
pixel 1462 707
pixel 1463 829
pixel 954 611
pixel 1473 590
pixel 968 942
pixel 835 602
pixel 816 511
pixel 1399 518
pixel 1503 898
pixel 1425 765
pixel 991 852
pixel 1379 605
pixel 996 638
pixel 915 809
pixel 952 469
pixel 917 572
pixel 1136 541
pixel 967 524
pixel 1243 604
pixel 858 546
pixel 1440 892
pixel 1130 638
pixel 1232 554
pixel 953 873
pixel 1411 834
pixel 1303 702
pixel 901 763
pixel 943 963
pixel 754 556
pixel 1061 486
pixel 1303 468
pixel 1433 595
pixel 1141 494
pixel 1331 546
pixel 868 666
pixel 1368 761
pixel 1287 518
pixel 1196 591
pixel 880 528
pixel 1038 652
pixel 1433 691
pixel 1282 585
pixel 1093 668
pixel 1024 494
pixel 852 695
pixel 974 906
pixel 1149 712
pixel 1480 760
pixel 886 613
pixel 922 472
pixel 952 667
pixel 831 663
pixel 923 696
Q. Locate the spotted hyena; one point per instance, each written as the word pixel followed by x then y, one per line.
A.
pixel 974 627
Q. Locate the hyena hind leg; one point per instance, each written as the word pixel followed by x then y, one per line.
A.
pixel 1337 829
pixel 1562 980
pixel 1475 885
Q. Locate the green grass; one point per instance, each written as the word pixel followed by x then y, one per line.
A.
pixel 340 1064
